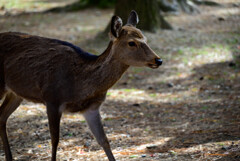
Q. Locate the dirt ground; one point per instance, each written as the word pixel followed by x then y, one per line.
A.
pixel 187 110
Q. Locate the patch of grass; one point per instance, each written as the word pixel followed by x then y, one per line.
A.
pixel 130 89
pixel 175 98
pixel 232 41
pixel 147 129
pixel 180 52
pixel 205 50
pixel 232 77
pixel 162 83
pixel 133 156
pixel 173 153
pixel 191 40
pixel 108 119
pixel 204 107
pixel 216 80
pixel 13 4
pixel 185 60
pixel 20 4
pixel 153 95
pixel 192 50
pixel 214 46
pixel 201 51
pixel 32 4
pixel 220 144
pixel 182 40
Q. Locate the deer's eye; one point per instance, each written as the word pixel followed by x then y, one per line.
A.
pixel 131 43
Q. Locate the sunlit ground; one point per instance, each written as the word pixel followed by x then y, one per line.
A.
pixel 16 6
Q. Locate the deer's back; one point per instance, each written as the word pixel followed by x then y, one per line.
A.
pixel 38 68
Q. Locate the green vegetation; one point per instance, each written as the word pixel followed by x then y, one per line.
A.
pixel 24 5
pixel 153 95
pixel 204 107
pixel 130 90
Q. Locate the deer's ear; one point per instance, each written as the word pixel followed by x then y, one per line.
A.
pixel 116 26
pixel 133 18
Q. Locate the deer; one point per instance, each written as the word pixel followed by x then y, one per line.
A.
pixel 65 78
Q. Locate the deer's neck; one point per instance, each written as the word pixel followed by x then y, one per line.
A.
pixel 108 70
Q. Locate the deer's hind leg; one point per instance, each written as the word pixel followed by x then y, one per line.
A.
pixel 9 105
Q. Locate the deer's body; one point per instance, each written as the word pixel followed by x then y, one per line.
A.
pixel 51 71
pixel 66 78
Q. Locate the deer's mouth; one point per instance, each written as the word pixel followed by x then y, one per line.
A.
pixel 153 66
pixel 157 63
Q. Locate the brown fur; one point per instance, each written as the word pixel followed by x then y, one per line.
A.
pixel 40 70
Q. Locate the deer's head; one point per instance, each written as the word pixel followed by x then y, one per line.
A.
pixel 130 45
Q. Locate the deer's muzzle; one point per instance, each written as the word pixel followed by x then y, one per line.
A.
pixel 158 61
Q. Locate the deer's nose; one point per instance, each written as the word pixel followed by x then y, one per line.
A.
pixel 158 61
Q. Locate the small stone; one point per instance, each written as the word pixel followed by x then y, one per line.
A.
pixel 224 148
pixel 152 146
pixel 181 29
pixel 27 23
pixel 30 151
pixel 160 154
pixel 221 19
pixel 143 155
pixel 170 85
pixel 150 87
pixel 87 145
pixel 201 78
pixel 232 64
pixel 235 5
pixel 136 104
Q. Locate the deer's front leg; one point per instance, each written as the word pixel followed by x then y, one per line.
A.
pixel 54 116
pixel 93 119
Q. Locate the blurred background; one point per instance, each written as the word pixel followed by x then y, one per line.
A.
pixel 188 109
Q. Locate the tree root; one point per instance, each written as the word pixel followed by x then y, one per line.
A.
pixel 71 7
pixel 188 6
pixel 165 6
pixel 208 3
pixel 164 24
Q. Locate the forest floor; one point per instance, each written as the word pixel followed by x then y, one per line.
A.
pixel 186 110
